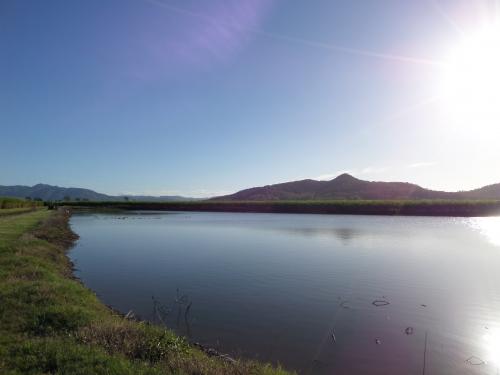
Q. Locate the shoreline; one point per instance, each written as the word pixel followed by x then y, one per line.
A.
pixel 443 208
pixel 50 322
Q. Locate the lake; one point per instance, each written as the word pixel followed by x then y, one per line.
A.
pixel 319 294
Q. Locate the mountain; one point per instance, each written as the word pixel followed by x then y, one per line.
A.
pixel 56 193
pixel 346 186
pixel 487 192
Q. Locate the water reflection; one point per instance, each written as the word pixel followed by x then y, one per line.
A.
pixel 345 235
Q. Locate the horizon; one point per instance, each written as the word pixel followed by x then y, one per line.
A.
pixel 167 193
pixel 206 99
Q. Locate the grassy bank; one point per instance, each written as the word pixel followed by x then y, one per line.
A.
pixel 51 324
pixel 351 207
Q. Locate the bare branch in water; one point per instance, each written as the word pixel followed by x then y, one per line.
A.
pixel 162 311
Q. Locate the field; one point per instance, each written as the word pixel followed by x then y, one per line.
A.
pixel 6 203
pixel 13 206
pixel 352 207
pixel 51 323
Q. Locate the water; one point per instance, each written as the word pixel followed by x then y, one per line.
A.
pixel 276 286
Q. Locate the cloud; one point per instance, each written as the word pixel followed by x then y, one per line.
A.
pixel 422 164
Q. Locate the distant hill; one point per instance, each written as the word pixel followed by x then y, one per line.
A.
pixel 56 193
pixel 346 186
pixel 487 192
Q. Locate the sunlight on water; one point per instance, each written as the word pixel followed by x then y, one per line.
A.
pixel 492 347
pixel 489 227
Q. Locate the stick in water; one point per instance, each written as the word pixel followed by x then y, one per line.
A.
pixel 425 352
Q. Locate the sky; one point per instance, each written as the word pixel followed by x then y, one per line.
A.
pixel 203 98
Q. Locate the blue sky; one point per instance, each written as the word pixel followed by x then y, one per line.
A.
pixel 207 97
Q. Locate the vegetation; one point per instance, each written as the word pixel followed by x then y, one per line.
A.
pixel 14 211
pixel 354 207
pixel 51 323
pixel 8 203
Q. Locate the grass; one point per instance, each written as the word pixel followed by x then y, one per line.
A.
pixel 51 324
pixel 465 208
pixel 15 211
pixel 9 203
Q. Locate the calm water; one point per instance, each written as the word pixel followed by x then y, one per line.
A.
pixel 276 286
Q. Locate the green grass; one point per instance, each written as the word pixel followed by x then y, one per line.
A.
pixel 14 211
pixel 51 324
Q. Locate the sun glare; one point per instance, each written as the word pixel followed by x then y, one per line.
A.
pixel 489 227
pixel 492 346
pixel 471 87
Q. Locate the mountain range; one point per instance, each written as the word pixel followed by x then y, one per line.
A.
pixel 346 186
pixel 56 193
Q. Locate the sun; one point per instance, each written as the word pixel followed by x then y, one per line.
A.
pixel 471 84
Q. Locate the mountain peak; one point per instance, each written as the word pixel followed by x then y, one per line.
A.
pixel 40 185
pixel 345 177
pixel 344 187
